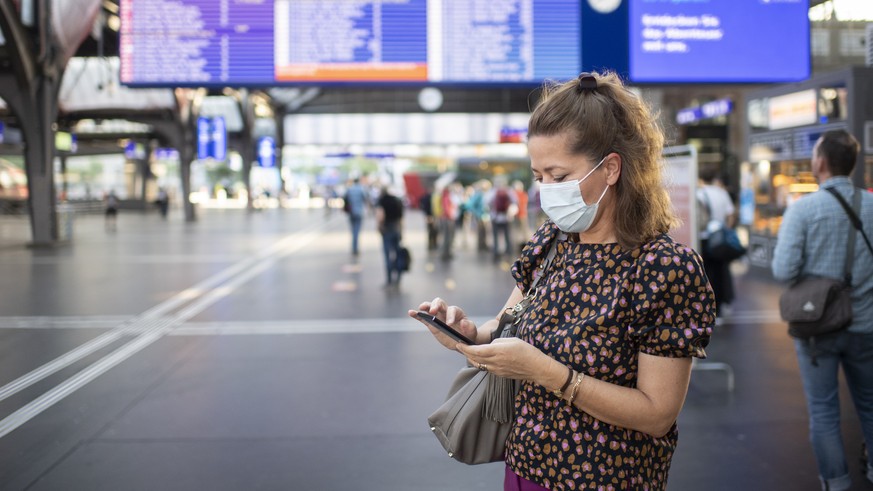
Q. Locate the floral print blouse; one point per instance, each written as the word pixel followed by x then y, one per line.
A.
pixel 597 308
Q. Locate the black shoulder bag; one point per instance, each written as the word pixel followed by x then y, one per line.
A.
pixel 814 305
pixel 723 243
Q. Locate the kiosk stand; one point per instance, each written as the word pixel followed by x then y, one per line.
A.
pixel 783 124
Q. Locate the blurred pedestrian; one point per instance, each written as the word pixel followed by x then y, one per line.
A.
pixel 111 211
pixel 535 213
pixel 464 222
pixel 716 206
pixel 389 220
pixel 425 203
pixel 356 201
pixel 520 218
pixel 163 202
pixel 330 195
pixel 812 242
pixel 449 202
pixel 500 203
pixel 479 213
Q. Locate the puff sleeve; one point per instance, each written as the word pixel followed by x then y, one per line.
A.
pixel 672 301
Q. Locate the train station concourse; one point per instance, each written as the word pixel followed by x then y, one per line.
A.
pixel 253 351
pixel 205 283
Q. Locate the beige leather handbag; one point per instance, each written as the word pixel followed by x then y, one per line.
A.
pixel 473 423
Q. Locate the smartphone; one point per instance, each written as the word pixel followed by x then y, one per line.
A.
pixel 445 328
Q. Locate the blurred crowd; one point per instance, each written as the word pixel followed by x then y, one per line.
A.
pixel 492 215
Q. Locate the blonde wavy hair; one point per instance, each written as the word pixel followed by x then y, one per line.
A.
pixel 610 118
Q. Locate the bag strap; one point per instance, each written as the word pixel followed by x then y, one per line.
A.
pixel 508 322
pixel 705 194
pixel 856 226
pixel 853 214
pixel 545 265
pixel 850 245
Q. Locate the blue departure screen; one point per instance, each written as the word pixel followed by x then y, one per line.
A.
pixel 276 42
pixel 506 40
pixel 719 40
pixel 351 40
pixel 197 42
pixel 556 25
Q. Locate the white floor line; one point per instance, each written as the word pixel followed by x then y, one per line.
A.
pixel 321 326
pixel 67 359
pixel 143 259
pixel 63 322
pixel 50 398
pixel 201 296
pixel 296 326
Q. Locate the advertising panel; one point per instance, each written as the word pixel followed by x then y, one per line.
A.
pixel 681 180
pixel 791 110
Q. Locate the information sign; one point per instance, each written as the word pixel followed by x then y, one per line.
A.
pixel 719 41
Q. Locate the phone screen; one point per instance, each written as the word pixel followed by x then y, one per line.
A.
pixel 445 328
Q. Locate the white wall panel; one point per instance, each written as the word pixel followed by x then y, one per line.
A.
pixel 392 129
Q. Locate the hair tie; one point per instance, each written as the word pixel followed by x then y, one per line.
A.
pixel 586 82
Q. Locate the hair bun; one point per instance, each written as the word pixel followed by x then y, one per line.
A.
pixel 585 82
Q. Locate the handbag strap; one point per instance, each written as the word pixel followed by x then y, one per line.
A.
pixel 544 266
pixel 508 322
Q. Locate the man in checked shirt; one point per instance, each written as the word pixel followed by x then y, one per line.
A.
pixel 812 241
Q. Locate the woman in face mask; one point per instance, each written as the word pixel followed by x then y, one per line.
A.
pixel 604 345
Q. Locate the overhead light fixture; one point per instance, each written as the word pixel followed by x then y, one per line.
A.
pixel 113 22
pixel 110 6
pixel 263 111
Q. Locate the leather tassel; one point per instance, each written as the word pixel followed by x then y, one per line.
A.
pixel 499 398
pixel 499 404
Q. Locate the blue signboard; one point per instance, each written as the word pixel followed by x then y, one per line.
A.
pixel 266 152
pixel 218 140
pixel 211 138
pixel 712 109
pixel 163 153
pixel 719 41
pixel 747 206
pixel 134 150
pixel 203 138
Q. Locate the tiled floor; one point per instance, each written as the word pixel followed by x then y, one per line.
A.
pixel 249 351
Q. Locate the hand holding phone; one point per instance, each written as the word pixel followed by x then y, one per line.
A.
pixel 443 327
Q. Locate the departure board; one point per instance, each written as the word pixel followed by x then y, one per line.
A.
pixel 286 42
pixel 348 40
pixel 509 40
pixel 196 42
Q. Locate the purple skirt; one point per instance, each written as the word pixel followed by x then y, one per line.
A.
pixel 514 482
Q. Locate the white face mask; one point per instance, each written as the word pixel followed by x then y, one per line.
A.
pixel 564 204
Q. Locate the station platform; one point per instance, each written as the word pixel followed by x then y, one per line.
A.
pixel 251 351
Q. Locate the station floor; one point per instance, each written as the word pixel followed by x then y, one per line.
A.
pixel 250 351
